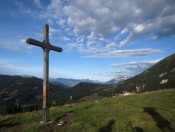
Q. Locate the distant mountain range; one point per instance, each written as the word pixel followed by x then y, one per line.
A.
pixel 27 90
pixel 115 80
pixel 25 93
pixel 24 90
pixel 112 81
pixel 72 82
pixel 68 83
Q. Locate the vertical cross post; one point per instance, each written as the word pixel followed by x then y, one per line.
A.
pixel 46 48
pixel 46 74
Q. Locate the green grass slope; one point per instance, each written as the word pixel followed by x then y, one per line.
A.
pixel 146 112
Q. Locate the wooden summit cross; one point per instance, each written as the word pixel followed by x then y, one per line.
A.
pixel 46 48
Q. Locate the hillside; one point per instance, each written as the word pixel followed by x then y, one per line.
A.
pixel 23 91
pixel 77 92
pixel 148 112
pixel 159 76
pixel 26 91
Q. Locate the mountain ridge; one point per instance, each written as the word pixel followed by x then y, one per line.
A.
pixel 159 76
pixel 73 82
pixel 27 90
pixel 24 90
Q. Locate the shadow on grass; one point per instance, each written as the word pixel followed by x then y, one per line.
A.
pixel 108 127
pixel 162 123
pixel 8 123
pixel 138 129
pixel 130 127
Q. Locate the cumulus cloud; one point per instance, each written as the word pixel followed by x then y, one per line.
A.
pixel 53 10
pixel 111 45
pixel 53 31
pixel 61 22
pixel 127 40
pixel 65 38
pixel 125 30
pixel 106 17
pixel 120 22
pixel 92 38
pixel 22 8
pixel 74 45
pixel 37 3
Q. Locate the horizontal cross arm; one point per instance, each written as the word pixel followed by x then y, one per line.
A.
pixel 51 47
pixel 35 42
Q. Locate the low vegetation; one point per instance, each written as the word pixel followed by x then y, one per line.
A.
pixel 149 111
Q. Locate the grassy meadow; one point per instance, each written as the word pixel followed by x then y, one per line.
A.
pixel 144 112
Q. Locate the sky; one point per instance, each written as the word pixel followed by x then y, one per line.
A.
pixel 101 39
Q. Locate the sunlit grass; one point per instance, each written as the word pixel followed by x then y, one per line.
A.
pixel 110 114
